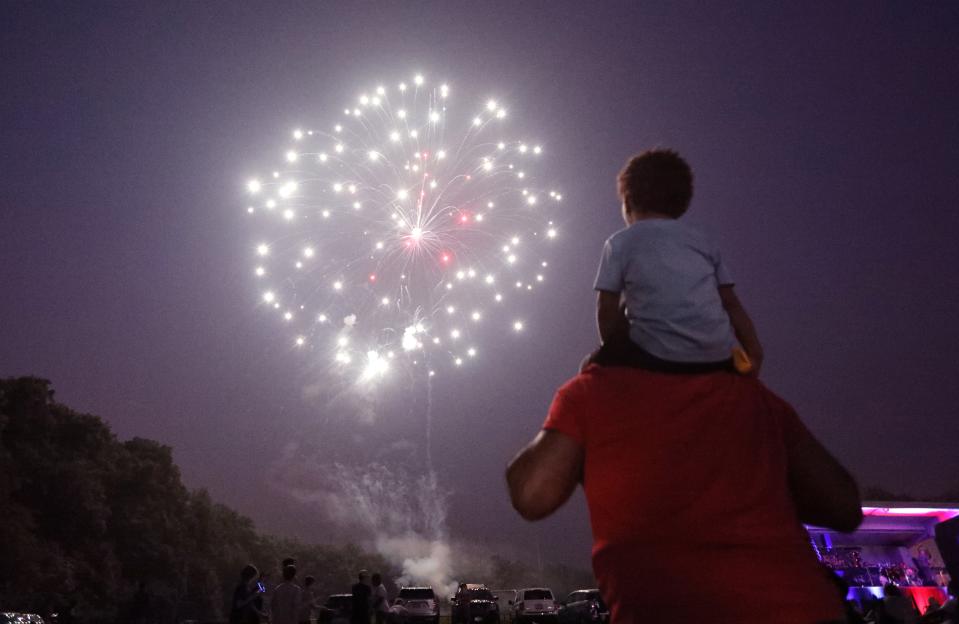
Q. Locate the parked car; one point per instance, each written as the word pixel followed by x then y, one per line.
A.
pixel 583 606
pixel 336 609
pixel 419 604
pixel 534 605
pixel 473 603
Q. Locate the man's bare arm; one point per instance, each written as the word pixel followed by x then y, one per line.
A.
pixel 824 492
pixel 742 326
pixel 609 315
pixel 544 474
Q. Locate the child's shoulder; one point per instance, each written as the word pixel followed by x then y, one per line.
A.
pixel 678 231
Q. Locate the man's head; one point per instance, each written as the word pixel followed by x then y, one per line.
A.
pixel 308 580
pixel 657 181
pixel 289 572
pixel 377 579
pixel 288 561
pixel 364 577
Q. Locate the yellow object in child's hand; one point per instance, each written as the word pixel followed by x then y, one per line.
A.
pixel 741 361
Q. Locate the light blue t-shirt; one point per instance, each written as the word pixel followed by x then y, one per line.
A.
pixel 670 276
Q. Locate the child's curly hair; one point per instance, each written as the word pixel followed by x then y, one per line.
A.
pixel 658 180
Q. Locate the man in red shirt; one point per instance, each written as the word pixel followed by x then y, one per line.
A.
pixel 697 486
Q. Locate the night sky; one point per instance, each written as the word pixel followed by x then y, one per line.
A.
pixel 824 139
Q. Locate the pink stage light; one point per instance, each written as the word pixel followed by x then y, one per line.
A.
pixel 940 513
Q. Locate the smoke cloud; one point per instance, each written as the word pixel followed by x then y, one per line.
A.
pixel 400 514
pixel 405 516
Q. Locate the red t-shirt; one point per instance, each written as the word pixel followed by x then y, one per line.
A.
pixel 685 478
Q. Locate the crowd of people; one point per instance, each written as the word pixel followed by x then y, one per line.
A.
pixel 291 602
pixel 890 567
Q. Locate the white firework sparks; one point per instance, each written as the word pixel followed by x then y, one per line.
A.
pixel 394 235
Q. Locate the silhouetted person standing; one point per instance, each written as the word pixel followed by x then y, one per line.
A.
pixel 307 601
pixel 140 608
pixel 360 614
pixel 381 600
pixel 243 609
pixel 285 604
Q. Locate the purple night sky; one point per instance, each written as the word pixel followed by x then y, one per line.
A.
pixel 824 137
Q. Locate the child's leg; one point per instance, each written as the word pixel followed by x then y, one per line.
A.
pixel 617 351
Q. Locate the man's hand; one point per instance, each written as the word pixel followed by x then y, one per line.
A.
pixel 544 474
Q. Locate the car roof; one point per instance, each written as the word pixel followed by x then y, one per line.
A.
pixel 536 589
pixel 416 587
pixel 473 586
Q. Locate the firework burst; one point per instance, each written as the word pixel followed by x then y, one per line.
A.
pixel 403 232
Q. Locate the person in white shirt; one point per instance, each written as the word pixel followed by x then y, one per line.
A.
pixel 381 601
pixel 287 596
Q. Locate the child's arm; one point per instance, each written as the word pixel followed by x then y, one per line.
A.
pixel 743 326
pixel 610 316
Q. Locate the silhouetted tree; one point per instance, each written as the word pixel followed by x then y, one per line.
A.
pixel 87 517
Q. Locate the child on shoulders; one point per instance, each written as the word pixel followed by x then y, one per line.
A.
pixel 666 300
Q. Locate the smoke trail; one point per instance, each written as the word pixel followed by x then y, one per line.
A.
pixel 368 478
pixel 406 518
pixel 429 425
pixel 390 501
